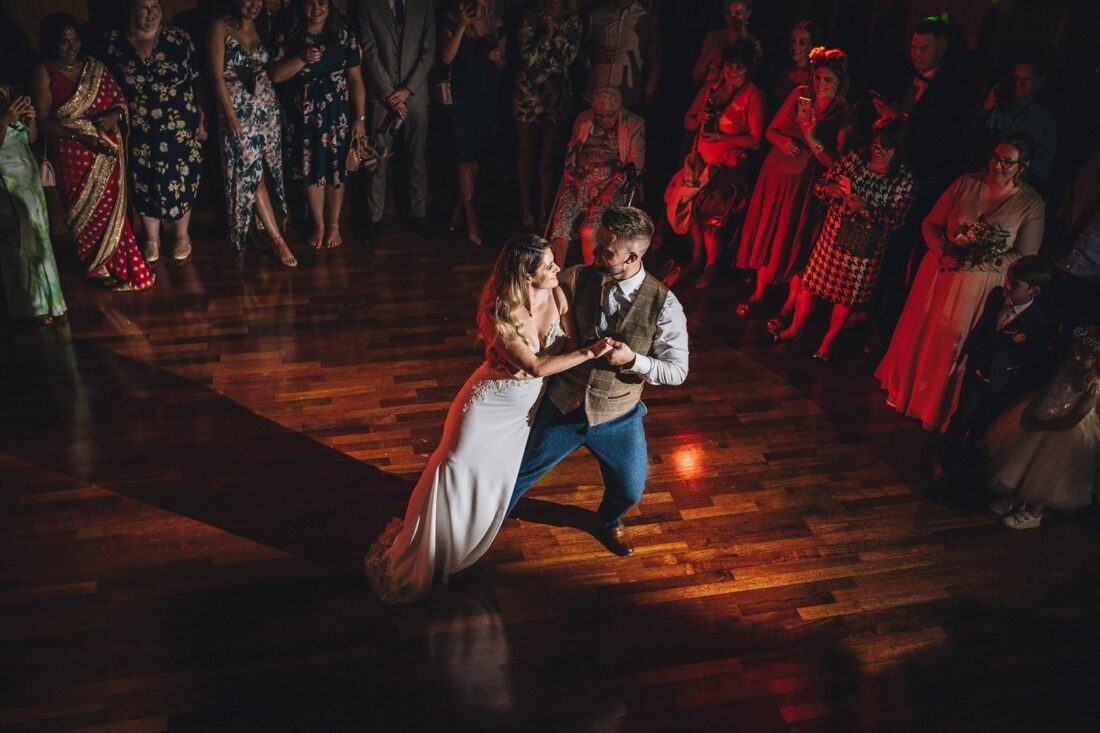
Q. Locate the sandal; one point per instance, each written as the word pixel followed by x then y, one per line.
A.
pixel 778 323
pixel 749 307
pixel 779 338
pixel 821 357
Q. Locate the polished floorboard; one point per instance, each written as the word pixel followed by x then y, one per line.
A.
pixel 190 476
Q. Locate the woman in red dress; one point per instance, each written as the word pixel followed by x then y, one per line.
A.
pixel 81 107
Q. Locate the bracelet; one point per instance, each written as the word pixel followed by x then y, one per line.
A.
pixel 818 148
pixel 361 118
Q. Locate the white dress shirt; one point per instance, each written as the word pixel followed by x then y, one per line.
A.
pixel 1010 313
pixel 667 360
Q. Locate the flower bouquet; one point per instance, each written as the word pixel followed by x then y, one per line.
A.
pixel 975 244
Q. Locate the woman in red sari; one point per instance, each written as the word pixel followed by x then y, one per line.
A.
pixel 80 107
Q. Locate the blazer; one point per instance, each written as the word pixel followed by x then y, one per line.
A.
pixel 937 128
pixel 395 59
pixel 1010 358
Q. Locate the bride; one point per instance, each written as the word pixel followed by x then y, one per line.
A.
pixel 462 497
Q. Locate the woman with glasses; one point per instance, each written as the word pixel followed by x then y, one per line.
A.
pixel 920 371
pixel 709 64
pixel 868 197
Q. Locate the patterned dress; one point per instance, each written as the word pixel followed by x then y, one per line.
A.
pixel 543 91
pixel 834 274
pixel 318 111
pixel 245 158
pixel 26 258
pixel 165 155
pixel 91 184
pixel 597 163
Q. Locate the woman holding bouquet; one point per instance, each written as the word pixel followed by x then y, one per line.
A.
pixel 981 224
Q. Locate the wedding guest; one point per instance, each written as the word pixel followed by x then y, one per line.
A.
pixel 548 38
pixel 795 70
pixel 939 102
pixel 981 224
pixel 622 49
pixel 709 64
pixel 608 146
pixel 728 120
pixel 79 107
pixel 157 67
pixel 1045 452
pixel 1004 353
pixel 868 198
pixel 27 265
pixel 318 67
pixel 1013 108
pixel 249 122
pixel 472 44
pixel 398 51
pixel 814 127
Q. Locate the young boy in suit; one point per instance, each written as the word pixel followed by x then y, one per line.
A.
pixel 1004 355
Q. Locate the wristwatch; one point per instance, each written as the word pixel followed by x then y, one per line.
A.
pixel 361 118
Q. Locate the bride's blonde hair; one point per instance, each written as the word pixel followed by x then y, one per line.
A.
pixel 506 291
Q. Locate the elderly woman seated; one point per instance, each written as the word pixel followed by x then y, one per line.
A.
pixel 606 151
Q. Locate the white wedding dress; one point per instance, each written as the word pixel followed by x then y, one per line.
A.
pixel 461 498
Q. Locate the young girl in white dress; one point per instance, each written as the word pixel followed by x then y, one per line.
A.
pixel 1045 453
pixel 462 497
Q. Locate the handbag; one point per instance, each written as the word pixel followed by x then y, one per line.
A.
pixel 361 154
pixel 45 172
pixel 441 87
pixel 682 190
pixel 858 237
pixel 724 195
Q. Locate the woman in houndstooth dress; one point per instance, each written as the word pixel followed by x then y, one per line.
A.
pixel 879 190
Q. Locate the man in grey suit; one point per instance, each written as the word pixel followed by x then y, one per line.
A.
pixel 398 50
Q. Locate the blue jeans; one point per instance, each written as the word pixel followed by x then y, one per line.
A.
pixel 619 445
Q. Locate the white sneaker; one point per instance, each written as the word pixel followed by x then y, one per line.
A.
pixel 1022 519
pixel 1004 505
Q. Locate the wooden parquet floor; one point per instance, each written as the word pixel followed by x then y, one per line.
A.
pixel 190 477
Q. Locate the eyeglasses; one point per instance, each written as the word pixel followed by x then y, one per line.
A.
pixel 1006 162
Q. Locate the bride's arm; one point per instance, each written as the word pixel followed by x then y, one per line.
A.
pixel 566 317
pixel 520 356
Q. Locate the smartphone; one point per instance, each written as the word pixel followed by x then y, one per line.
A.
pixel 805 105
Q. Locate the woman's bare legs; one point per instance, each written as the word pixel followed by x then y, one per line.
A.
pixel 836 323
pixel 803 307
pixel 548 135
pixel 560 247
pixel 334 201
pixel 151 225
pixel 315 198
pixel 710 244
pixel 267 218
pixel 588 242
pixel 467 182
pixel 181 233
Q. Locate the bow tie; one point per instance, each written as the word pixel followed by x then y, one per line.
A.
pixel 922 78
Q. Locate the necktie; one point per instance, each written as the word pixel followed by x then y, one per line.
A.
pixel 1006 315
pixel 399 11
pixel 609 308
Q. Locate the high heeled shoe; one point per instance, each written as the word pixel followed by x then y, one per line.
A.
pixel 821 357
pixel 777 337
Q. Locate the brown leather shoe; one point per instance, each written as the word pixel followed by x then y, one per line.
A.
pixel 616 539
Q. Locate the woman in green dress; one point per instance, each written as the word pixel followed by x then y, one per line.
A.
pixel 26 257
pixel 156 65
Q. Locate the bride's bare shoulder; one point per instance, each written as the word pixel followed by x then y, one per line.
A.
pixel 561 301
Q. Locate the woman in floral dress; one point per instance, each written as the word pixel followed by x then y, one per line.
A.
pixel 249 117
pixel 317 68
pixel 156 66
pixel 80 107
pixel 549 37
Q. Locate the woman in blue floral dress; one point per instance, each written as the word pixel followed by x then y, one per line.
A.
pixel 249 117
pixel 317 68
pixel 156 66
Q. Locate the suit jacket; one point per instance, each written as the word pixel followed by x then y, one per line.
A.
pixel 1010 358
pixel 938 125
pixel 396 58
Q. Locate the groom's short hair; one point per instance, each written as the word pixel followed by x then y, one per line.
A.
pixel 629 225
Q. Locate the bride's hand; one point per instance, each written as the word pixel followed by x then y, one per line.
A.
pixel 599 348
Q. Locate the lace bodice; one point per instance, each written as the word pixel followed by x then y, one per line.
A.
pixel 1063 394
pixel 555 341
pixel 496 375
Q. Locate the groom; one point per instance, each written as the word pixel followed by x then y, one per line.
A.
pixel 598 404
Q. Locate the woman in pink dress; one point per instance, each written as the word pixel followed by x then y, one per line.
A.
pixel 815 126
pixel 920 370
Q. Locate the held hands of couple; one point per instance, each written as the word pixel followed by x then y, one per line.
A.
pixel 599 348
pixel 621 355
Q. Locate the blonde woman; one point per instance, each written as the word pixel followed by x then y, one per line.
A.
pixel 462 497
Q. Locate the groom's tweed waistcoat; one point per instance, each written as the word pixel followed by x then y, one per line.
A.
pixel 604 392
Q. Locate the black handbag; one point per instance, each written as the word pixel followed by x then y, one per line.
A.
pixel 858 237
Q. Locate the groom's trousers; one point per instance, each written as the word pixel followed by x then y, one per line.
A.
pixel 619 446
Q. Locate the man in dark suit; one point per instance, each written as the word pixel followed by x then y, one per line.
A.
pixel 940 103
pixel 1004 354
pixel 398 50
